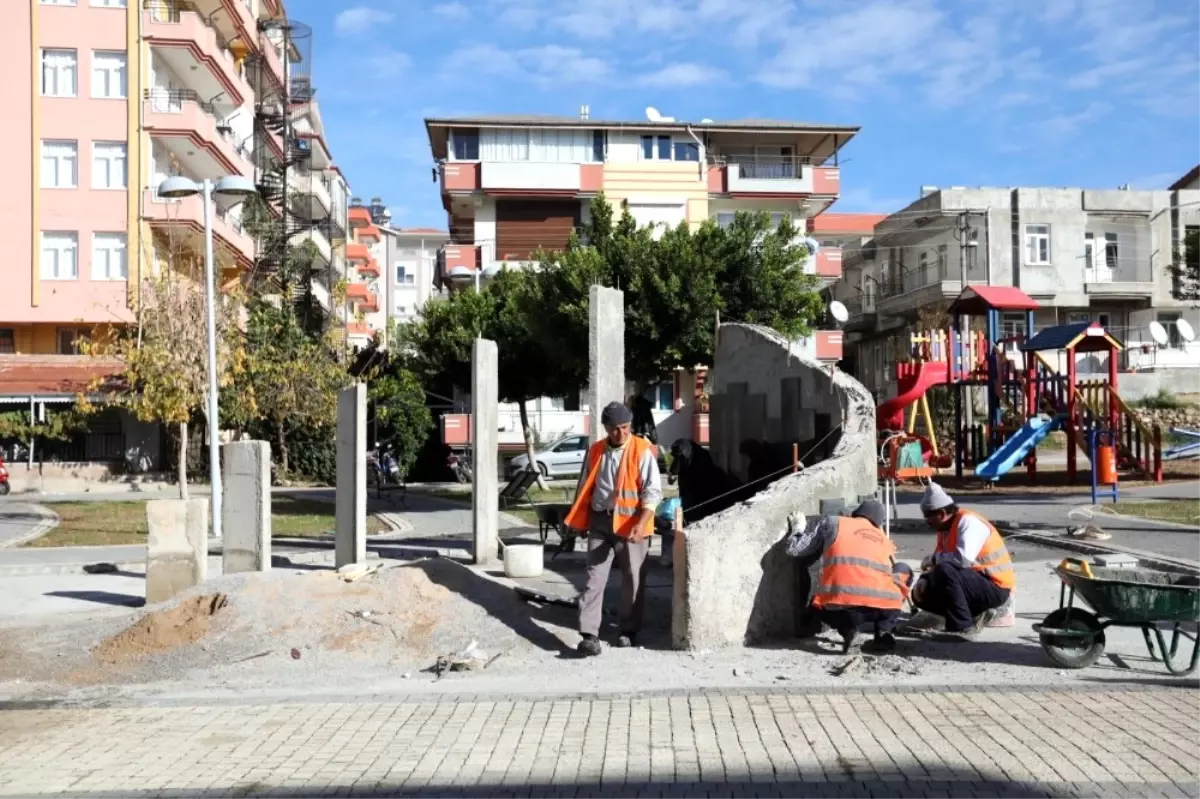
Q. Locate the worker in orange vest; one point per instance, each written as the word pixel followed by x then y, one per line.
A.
pixel 619 489
pixel 860 582
pixel 969 578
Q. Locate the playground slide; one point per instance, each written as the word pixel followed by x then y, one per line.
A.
pixel 1018 445
pixel 890 415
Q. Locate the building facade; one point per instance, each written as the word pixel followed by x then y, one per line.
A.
pixel 514 184
pixel 1099 255
pixel 107 99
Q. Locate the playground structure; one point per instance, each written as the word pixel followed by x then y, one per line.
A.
pixel 1021 383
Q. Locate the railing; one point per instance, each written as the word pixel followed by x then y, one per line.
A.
pixel 764 167
pixel 1140 444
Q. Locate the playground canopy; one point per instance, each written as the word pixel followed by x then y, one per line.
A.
pixel 1075 336
pixel 977 300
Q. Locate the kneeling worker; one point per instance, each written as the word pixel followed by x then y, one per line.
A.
pixel 969 577
pixel 619 488
pixel 860 583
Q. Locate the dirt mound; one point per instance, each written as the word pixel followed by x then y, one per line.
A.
pixel 162 630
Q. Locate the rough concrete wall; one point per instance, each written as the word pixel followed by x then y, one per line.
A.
pixel 606 352
pixel 735 584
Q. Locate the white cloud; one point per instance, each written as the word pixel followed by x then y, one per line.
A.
pixel 360 19
pixel 546 65
pixel 452 11
pixel 683 75
pixel 1069 123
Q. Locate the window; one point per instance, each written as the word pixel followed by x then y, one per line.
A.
pixel 402 310
pixel 60 164
pixel 1170 321
pixel 1012 325
pixel 1110 250
pixel 1089 251
pixel 1037 244
pixel 69 339
pixel 465 145
pixel 725 218
pixel 109 165
pixel 1191 246
pixel 657 148
pixel 108 75
pixel 648 148
pixel 58 73
pixel 109 257
pixel 60 256
pixel 661 396
pixel 664 148
pixel 57 2
pixel 598 146
pixel 8 341
pixel 109 3
pixel 687 151
pixel 942 258
pixel 573 444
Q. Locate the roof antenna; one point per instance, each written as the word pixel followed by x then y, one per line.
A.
pixel 584 113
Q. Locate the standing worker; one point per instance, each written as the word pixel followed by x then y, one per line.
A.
pixel 860 583
pixel 618 491
pixel 969 578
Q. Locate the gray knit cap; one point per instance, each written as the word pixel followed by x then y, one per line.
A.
pixel 615 413
pixel 872 510
pixel 935 498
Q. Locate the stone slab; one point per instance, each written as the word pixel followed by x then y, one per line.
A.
pixel 246 507
pixel 351 503
pixel 485 404
pixel 176 547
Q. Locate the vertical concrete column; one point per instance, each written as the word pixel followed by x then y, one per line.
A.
pixel 606 352
pixel 176 547
pixel 351 536
pixel 246 509
pixel 485 449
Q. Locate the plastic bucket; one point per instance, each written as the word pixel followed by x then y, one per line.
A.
pixel 523 560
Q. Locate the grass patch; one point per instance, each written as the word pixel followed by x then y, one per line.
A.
pixel 1162 401
pixel 115 523
pixel 1179 511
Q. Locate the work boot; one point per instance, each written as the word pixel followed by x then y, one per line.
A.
pixel 849 636
pixel 882 643
pixel 626 640
pixel 589 647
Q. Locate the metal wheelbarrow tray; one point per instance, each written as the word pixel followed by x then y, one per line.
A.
pixel 1073 637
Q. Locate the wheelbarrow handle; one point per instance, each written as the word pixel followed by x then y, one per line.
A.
pixel 1076 565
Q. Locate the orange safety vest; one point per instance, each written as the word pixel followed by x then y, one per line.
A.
pixel 856 569
pixel 993 560
pixel 628 490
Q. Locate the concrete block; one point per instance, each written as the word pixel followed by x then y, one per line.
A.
pixel 176 547
pixel 350 544
pixel 246 507
pixel 739 586
pixel 606 352
pixel 485 404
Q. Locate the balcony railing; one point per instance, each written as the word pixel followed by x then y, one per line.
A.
pixel 764 167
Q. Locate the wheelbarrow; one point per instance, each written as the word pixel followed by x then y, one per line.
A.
pixel 1073 637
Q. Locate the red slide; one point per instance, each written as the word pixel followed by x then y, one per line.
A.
pixel 913 380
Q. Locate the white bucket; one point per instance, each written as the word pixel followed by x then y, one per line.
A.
pixel 523 560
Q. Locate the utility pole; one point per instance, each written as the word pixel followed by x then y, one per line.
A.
pixel 963 234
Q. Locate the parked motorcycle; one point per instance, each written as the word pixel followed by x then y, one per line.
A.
pixel 4 487
pixel 385 469
pixel 461 466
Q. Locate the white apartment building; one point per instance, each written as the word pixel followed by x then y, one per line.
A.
pixel 1101 255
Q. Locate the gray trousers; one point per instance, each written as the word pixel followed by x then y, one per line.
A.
pixel 603 548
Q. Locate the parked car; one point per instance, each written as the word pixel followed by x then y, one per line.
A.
pixel 563 458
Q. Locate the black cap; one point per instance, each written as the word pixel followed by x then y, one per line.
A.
pixel 615 413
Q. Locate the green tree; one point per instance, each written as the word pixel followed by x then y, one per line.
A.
pixel 1185 267
pixel 403 418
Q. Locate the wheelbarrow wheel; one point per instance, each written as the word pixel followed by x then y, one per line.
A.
pixel 1083 644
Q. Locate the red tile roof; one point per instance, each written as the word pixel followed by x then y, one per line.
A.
pixel 845 223
pixel 978 299
pixel 1186 179
pixel 55 374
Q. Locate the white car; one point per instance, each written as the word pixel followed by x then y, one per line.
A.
pixel 563 458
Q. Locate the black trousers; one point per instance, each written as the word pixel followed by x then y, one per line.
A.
pixel 881 621
pixel 959 595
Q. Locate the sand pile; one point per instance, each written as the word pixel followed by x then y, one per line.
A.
pixel 162 630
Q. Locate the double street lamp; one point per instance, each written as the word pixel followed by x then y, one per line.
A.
pixel 236 188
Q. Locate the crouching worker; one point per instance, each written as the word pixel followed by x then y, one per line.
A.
pixel 969 578
pixel 614 506
pixel 860 583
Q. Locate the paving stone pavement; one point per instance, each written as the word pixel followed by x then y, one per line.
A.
pixel 1025 742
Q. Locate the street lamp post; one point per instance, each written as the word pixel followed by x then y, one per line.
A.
pixel 232 186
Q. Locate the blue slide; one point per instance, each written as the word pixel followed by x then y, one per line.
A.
pixel 1013 451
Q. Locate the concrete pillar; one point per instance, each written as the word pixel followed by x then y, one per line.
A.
pixel 246 507
pixel 485 449
pixel 606 352
pixel 351 538
pixel 176 548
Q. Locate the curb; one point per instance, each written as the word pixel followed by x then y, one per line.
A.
pixel 49 521
pixel 1014 532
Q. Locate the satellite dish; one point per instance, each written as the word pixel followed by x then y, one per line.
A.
pixel 1185 330
pixel 839 313
pixel 652 114
pixel 813 246
pixel 1159 334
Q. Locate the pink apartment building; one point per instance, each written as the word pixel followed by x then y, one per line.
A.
pixel 105 99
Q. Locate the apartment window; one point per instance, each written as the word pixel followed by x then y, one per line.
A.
pixel 664 148
pixel 1012 325
pixel 404 277
pixel 59 72
pixel 69 339
pixel 1037 244
pixel 108 75
pixel 60 164
pixel 57 2
pixel 109 257
pixel 942 260
pixel 109 4
pixel 725 218
pixel 1110 250
pixel 1170 323
pixel 60 256
pixel 109 165
pixel 1089 251
pixel 656 148
pixel 687 151
pixel 401 310
pixel 465 145
pixel 598 146
pixel 8 341
pixel 1191 246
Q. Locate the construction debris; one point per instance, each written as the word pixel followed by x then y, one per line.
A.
pixel 353 572
pixel 469 659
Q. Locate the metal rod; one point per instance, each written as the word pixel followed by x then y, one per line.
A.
pixel 214 417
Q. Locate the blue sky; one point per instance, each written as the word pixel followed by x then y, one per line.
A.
pixel 1091 93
